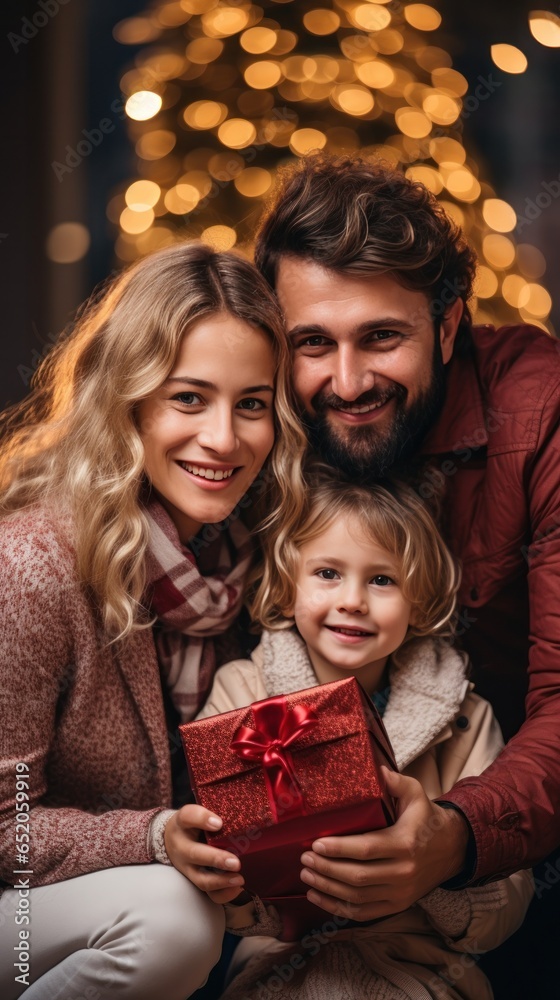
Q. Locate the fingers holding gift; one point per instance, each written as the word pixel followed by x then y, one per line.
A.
pixel 348 910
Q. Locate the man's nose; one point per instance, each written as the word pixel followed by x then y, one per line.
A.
pixel 352 375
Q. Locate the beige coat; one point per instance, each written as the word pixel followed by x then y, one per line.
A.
pixel 426 951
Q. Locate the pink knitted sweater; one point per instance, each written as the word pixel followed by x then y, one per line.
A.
pixel 87 719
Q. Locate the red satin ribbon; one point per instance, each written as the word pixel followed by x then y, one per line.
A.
pixel 277 727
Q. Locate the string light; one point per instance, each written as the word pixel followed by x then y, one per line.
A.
pixel 220 93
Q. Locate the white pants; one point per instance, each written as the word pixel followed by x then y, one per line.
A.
pixel 140 932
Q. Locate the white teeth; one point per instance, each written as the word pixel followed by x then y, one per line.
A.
pixel 198 470
pixel 362 409
pixel 350 631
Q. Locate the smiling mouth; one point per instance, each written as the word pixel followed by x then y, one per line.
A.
pixel 205 473
pixel 365 408
pixel 349 631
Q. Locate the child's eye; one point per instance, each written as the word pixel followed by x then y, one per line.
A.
pixel 382 581
pixel 327 574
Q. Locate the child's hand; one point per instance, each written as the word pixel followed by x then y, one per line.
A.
pixel 193 858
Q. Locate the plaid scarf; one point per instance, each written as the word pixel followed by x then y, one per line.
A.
pixel 192 605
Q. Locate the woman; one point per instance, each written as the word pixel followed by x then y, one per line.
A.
pixel 151 420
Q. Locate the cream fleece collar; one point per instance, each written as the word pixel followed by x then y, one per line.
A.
pixel 427 678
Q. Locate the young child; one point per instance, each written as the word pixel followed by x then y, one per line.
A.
pixel 363 585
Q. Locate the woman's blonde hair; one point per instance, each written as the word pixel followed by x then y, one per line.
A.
pixel 74 443
pixel 393 516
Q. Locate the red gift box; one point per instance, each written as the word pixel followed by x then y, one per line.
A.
pixel 285 771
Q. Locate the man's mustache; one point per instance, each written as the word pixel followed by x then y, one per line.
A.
pixel 324 400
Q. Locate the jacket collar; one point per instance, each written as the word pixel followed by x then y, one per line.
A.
pixel 427 681
pixel 462 422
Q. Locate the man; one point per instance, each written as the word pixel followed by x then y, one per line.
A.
pixel 374 279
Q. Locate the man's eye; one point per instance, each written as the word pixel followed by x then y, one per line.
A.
pixel 188 398
pixel 382 581
pixel 316 340
pixel 252 404
pixel 382 335
pixel 327 574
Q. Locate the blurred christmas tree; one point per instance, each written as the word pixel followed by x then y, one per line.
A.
pixel 221 94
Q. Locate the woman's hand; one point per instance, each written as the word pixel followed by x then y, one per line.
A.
pixel 193 858
pixel 372 875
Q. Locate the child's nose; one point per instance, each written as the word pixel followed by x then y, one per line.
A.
pixel 353 599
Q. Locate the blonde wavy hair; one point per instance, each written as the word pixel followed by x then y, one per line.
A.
pixel 393 516
pixel 74 443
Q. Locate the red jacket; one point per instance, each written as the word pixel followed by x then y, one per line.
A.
pixel 497 445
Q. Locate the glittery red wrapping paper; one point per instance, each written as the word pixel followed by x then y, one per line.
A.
pixel 337 766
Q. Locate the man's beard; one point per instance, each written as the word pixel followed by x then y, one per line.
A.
pixel 365 453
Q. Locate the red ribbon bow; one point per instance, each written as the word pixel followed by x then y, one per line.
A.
pixel 277 727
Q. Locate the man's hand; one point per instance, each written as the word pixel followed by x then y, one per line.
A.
pixel 194 859
pixel 371 875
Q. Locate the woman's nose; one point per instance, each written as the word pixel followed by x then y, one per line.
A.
pixel 218 433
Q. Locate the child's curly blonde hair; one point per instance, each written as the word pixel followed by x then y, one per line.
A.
pixel 393 516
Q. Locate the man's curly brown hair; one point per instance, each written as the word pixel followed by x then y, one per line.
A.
pixel 362 217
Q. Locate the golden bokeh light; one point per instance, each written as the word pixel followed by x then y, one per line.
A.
pixel 321 22
pixel 413 123
pixel 545 27
pixel 225 166
pixel 135 31
pixel 462 184
pixel 263 75
pixel 198 179
pixel 136 222
pixel 512 288
pixel 455 211
pixel 377 73
pixel 142 195
pixel 223 21
pixel 370 16
pixel 219 237
pixel 447 151
pixel 535 300
pixel 254 182
pixel 181 199
pixel 237 133
pixel 499 215
pixel 427 176
pixel 441 109
pixel 509 58
pixel 154 145
pixel 486 283
pixel 388 42
pixel 170 15
pixel 422 16
pixel 448 79
pixel 258 40
pixel 204 50
pixel 197 7
pixel 498 250
pixel 205 114
pixel 353 99
pixel 431 57
pixel 303 140
pixel 67 242
pixel 142 105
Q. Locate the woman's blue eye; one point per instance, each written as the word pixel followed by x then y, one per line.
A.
pixel 327 574
pixel 188 398
pixel 252 404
